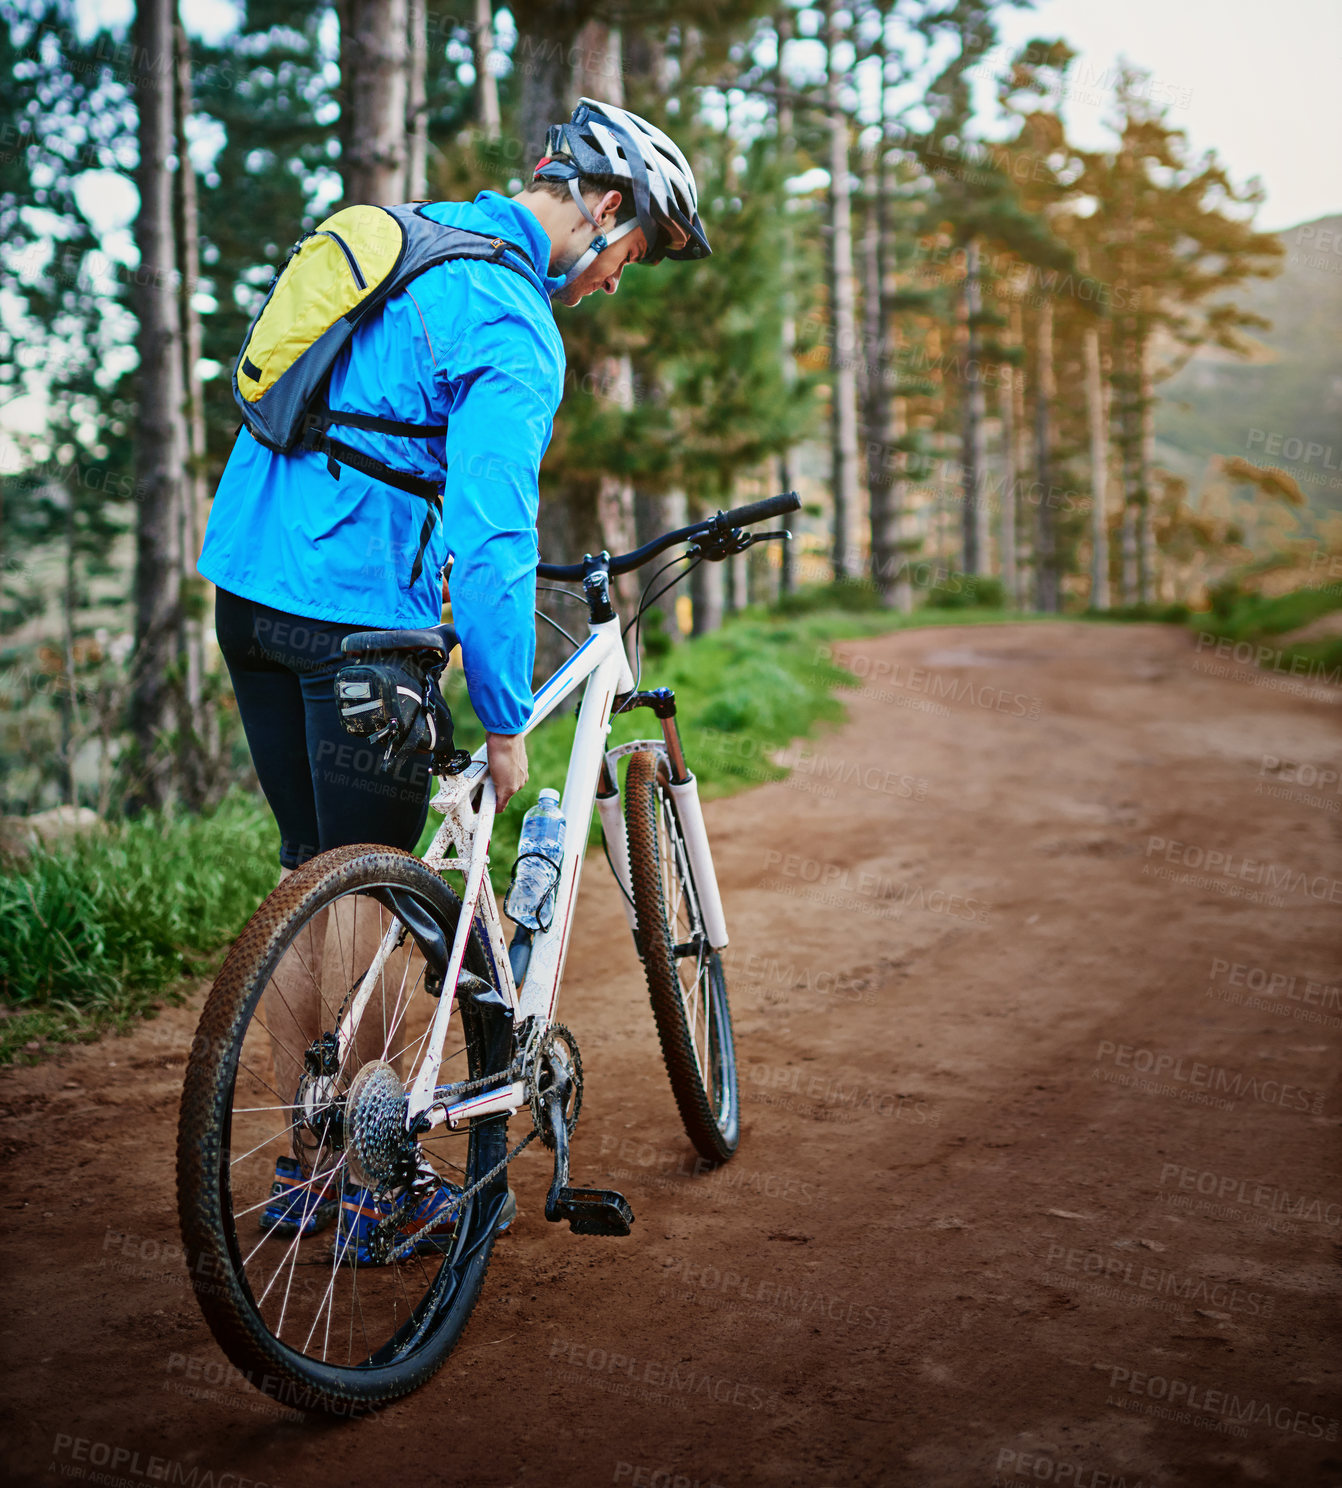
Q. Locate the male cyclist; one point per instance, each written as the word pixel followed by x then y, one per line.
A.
pixel 305 549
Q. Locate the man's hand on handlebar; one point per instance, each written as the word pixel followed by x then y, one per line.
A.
pixel 507 755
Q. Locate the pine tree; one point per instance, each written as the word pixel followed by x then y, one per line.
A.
pixel 979 202
pixel 1172 236
pixel 160 426
pixel 374 76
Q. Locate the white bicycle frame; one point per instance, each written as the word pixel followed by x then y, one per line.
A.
pixel 601 662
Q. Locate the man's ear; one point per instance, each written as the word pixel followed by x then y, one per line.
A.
pixel 608 206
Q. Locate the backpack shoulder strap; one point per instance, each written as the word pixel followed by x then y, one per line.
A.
pixel 428 243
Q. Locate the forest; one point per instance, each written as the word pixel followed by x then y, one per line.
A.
pixel 946 324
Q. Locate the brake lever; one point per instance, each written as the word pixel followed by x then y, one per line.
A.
pixel 715 546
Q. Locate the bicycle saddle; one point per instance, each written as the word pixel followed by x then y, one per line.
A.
pixel 440 639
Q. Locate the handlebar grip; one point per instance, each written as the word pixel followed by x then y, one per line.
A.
pixel 761 511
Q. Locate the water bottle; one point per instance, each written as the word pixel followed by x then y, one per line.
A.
pixel 540 853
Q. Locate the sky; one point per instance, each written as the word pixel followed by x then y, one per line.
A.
pixel 1254 79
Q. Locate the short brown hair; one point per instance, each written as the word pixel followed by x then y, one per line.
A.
pixel 592 186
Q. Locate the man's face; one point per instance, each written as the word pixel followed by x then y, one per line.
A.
pixel 605 269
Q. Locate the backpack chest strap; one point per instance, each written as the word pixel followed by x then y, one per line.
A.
pixel 324 418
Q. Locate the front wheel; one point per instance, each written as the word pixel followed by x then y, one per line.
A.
pixel 685 978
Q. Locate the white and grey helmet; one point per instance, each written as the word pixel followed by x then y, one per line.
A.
pixel 601 140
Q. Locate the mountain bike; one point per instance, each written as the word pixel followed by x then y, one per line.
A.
pixel 371 1035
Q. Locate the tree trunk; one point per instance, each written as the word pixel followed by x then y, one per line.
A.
pixel 197 727
pixel 374 68
pixel 706 598
pixel 972 454
pixel 886 487
pixel 843 319
pixel 1146 441
pixel 1022 546
pixel 598 73
pixel 1006 511
pixel 568 524
pixel 160 442
pixel 486 84
pixel 1099 457
pixel 1126 383
pixel 787 149
pixel 1046 564
pixel 69 711
pixel 545 35
pixel 416 101
pixel 656 512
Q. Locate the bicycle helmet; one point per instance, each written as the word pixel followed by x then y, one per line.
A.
pixel 601 140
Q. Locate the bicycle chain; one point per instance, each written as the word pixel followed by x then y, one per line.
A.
pixel 388 1225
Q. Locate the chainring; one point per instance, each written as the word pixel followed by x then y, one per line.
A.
pixel 556 1043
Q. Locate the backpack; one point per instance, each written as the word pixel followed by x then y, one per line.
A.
pixel 333 279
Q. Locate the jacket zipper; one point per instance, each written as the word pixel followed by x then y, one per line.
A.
pixel 349 256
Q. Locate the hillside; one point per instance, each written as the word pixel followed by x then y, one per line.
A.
pixel 1283 406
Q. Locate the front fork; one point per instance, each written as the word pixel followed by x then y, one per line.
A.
pixel 684 789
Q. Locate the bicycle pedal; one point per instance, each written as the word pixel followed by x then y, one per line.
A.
pixel 593 1211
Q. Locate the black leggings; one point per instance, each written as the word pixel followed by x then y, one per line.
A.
pixel 323 785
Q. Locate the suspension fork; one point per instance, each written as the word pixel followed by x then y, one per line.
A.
pixel 684 789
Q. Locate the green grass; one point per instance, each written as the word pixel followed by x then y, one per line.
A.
pixel 98 932
pixel 1239 615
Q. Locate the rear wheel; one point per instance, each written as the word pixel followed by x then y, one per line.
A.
pixel 297 1289
pixel 685 978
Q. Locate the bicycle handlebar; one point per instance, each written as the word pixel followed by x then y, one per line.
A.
pixel 722 522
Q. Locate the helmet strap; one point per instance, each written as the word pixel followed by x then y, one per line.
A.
pixel 582 205
pixel 597 247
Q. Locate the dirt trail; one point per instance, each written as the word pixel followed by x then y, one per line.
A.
pixel 1036 978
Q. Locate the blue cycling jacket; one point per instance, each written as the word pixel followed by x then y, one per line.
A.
pixel 470 345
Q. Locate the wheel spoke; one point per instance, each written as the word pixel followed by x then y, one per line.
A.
pixel 308 1288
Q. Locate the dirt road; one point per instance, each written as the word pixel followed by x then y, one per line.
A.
pixel 1035 966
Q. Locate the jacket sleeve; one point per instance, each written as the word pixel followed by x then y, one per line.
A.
pixel 502 386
